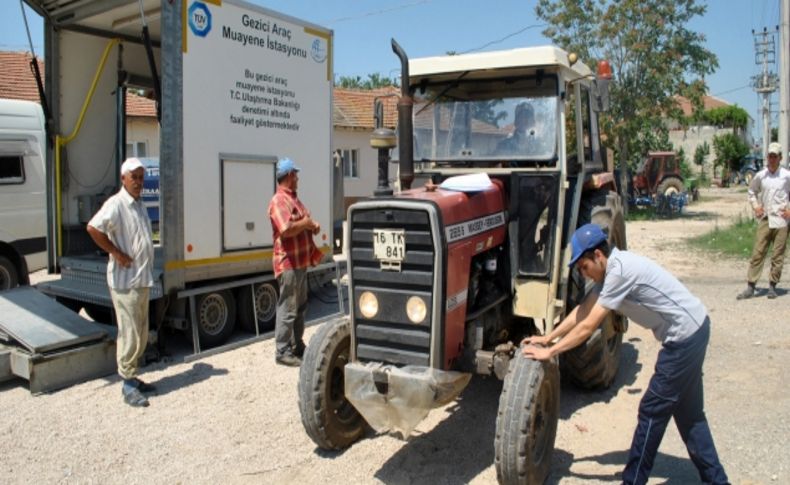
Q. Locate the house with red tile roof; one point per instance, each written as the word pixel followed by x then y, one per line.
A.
pixel 142 129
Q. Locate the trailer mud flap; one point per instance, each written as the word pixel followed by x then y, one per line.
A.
pixel 397 398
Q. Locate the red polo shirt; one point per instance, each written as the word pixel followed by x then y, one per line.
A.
pixel 295 252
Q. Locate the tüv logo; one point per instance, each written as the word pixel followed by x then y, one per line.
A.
pixel 199 19
pixel 318 51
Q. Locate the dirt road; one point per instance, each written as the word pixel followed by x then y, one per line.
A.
pixel 233 418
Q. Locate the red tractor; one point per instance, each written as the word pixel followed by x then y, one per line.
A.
pixel 446 278
pixel 658 174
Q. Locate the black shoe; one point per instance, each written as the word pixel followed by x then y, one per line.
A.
pixel 289 360
pixel 135 399
pixel 746 294
pixel 144 386
pixel 771 292
pixel 299 349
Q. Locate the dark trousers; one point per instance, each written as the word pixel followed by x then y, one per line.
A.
pixel 291 308
pixel 675 391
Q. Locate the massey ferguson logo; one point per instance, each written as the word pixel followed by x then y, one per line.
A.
pixel 466 229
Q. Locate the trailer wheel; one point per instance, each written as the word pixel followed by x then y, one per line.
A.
pixel 329 419
pixel 216 317
pixel 594 363
pixel 526 423
pixel 9 277
pixel 266 295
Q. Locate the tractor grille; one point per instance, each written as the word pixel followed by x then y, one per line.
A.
pixel 390 337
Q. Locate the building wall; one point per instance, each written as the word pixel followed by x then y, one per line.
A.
pixel 690 139
pixel 363 186
pixel 144 129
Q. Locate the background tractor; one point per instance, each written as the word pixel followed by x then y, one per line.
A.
pixel 499 161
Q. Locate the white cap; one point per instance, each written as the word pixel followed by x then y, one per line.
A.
pixel 775 148
pixel 130 165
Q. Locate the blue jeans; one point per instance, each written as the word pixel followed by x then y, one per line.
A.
pixel 675 390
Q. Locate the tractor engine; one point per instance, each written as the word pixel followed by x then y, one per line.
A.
pixel 420 266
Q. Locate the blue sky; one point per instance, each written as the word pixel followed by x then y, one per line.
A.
pixel 363 29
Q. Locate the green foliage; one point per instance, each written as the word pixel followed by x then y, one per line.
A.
pixel 374 81
pixel 774 134
pixel 736 240
pixel 653 54
pixel 727 116
pixel 700 153
pixel 729 150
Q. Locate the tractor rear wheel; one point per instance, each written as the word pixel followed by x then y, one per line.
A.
pixel 594 364
pixel 526 423
pixel 329 419
pixel 670 186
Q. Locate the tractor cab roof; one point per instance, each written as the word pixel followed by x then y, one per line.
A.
pixel 497 64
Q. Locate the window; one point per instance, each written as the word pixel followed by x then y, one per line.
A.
pixel 12 169
pixel 350 163
pixel 136 149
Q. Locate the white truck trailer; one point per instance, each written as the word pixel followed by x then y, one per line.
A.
pixel 240 86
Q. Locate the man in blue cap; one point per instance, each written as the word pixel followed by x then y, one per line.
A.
pixel 643 291
pixel 293 252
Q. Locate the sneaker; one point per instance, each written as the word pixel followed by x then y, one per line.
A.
pixel 135 398
pixel 746 294
pixel 771 292
pixel 289 360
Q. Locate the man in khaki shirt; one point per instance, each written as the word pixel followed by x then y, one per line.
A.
pixel 768 196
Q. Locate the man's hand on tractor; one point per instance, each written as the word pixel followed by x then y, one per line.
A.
pixel 536 340
pixel 532 351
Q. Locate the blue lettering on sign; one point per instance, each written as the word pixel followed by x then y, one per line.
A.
pixel 199 19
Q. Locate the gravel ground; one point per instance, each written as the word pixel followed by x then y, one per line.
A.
pixel 233 417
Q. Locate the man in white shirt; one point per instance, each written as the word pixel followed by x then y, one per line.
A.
pixel 768 196
pixel 122 229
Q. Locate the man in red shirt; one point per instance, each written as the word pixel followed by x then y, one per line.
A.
pixel 294 252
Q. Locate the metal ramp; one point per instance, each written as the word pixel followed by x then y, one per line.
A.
pixel 48 344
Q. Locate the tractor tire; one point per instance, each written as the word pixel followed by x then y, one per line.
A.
pixel 594 363
pixel 669 186
pixel 329 419
pixel 266 295
pixel 748 176
pixel 526 423
pixel 216 317
pixel 9 276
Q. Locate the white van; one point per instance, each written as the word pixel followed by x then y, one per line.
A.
pixel 23 231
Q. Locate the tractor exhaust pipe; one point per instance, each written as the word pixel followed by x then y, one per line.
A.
pixel 405 131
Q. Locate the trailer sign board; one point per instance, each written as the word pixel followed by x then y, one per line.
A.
pixel 256 87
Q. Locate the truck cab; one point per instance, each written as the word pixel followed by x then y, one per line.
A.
pixel 23 207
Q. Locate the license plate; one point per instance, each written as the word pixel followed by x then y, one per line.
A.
pixel 389 244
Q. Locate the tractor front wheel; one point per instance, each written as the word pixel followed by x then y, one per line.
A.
pixel 526 423
pixel 670 186
pixel 329 419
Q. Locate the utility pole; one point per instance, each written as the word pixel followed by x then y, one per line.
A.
pixel 784 79
pixel 766 82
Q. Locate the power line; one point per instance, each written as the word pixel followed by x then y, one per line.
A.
pixel 732 90
pixel 497 41
pixel 377 12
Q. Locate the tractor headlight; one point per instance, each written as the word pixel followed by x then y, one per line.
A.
pixel 416 309
pixel 368 304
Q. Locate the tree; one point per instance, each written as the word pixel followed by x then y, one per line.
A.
pixel 729 150
pixel 374 81
pixel 700 153
pixel 727 116
pixel 654 56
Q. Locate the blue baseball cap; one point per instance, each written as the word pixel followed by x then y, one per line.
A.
pixel 585 238
pixel 285 166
